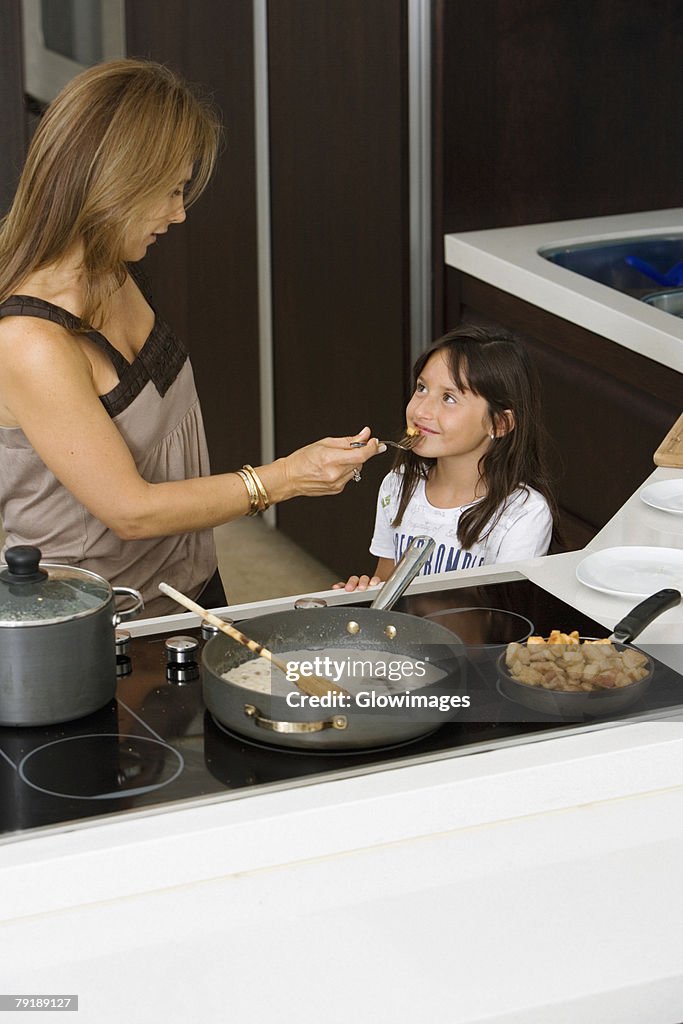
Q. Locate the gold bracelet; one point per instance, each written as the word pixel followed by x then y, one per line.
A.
pixel 254 499
pixel 264 500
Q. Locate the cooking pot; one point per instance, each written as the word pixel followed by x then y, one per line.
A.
pixel 57 639
pixel 364 718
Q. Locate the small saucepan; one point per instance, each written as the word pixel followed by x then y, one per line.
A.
pixel 599 702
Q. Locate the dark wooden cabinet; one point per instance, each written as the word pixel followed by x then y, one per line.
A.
pixel 12 118
pixel 552 111
pixel 338 118
pixel 338 207
pixel 204 273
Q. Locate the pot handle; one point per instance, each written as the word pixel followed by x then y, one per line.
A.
pixel 414 557
pixel 127 613
pixel 336 722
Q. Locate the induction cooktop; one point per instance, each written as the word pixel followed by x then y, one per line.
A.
pixel 156 747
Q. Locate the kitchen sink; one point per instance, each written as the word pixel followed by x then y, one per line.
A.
pixel 670 302
pixel 633 265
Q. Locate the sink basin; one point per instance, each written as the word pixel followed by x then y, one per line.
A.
pixel 606 261
pixel 670 302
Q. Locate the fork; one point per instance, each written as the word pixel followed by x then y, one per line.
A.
pixel 406 444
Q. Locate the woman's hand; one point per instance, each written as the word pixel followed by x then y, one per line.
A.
pixel 326 466
pixel 358 583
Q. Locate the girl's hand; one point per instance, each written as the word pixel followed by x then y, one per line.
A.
pixel 358 583
pixel 326 466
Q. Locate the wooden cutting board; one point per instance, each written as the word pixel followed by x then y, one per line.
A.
pixel 670 451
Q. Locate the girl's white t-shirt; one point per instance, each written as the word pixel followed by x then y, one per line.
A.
pixel 522 531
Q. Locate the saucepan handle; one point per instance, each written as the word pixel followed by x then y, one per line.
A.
pixel 414 557
pixel 643 614
pixel 336 722
pixel 127 613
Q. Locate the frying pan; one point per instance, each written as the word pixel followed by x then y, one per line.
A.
pixel 284 720
pixel 594 703
pixel 270 718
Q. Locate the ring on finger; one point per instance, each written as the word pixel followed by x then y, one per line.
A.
pixel 356 475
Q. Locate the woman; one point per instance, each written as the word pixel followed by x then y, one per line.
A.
pixel 103 459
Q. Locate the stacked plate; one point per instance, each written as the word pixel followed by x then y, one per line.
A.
pixel 632 571
pixel 666 495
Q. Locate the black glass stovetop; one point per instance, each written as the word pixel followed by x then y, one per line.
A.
pixel 156 745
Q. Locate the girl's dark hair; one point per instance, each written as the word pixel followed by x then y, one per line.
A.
pixel 495 366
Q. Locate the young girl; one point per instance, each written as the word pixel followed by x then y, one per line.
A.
pixel 476 481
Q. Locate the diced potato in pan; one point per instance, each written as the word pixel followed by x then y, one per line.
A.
pixel 564 662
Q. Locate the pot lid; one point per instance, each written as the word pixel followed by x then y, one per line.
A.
pixel 32 594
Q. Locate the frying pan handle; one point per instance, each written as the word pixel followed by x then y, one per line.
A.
pixel 336 722
pixel 642 615
pixel 414 557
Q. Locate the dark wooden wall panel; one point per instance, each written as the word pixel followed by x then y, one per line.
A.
pixel 338 123
pixel 204 272
pixel 12 124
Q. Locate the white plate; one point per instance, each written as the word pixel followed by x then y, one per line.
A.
pixel 666 494
pixel 634 571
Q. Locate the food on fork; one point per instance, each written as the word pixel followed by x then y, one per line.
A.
pixel 565 662
pixel 410 438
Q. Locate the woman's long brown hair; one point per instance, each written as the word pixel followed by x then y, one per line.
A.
pixel 495 366
pixel 113 142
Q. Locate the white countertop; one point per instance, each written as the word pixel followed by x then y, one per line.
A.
pixel 534 883
pixel 635 524
pixel 508 258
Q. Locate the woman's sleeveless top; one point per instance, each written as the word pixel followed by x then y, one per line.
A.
pixel 156 410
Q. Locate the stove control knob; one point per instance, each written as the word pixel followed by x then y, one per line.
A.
pixel 209 631
pixel 181 660
pixel 122 641
pixel 124 666
pixel 181 649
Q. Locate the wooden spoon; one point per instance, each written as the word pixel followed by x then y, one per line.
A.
pixel 314 686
